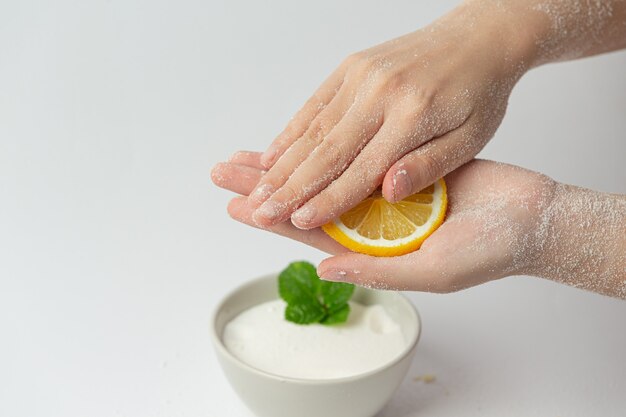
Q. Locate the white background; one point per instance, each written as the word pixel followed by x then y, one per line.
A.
pixel 115 247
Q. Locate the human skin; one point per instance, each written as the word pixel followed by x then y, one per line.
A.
pixel 407 112
pixel 502 220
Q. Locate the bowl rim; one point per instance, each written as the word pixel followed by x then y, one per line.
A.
pixel 221 348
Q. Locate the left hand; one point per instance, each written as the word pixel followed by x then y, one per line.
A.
pixel 491 229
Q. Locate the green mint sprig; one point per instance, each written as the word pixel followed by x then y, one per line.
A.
pixel 310 299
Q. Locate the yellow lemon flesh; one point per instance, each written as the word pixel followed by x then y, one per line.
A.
pixel 380 228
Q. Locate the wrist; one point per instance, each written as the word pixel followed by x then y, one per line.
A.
pixel 545 247
pixel 580 241
pixel 507 32
pixel 543 31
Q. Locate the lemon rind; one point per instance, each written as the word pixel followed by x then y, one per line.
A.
pixel 383 247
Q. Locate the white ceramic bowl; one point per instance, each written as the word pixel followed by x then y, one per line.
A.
pixel 269 395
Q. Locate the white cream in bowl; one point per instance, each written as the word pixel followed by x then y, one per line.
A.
pixel 262 338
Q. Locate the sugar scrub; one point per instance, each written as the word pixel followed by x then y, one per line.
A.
pixel 262 338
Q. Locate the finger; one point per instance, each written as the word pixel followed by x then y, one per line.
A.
pixel 241 179
pixel 238 178
pixel 361 178
pixel 301 121
pixel 409 272
pixel 327 162
pixel 302 148
pixel 417 271
pixel 433 160
pixel 248 158
pixel 241 210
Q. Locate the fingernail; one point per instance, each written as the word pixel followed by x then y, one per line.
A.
pixel 304 215
pixel 262 193
pixel 268 157
pixel 401 184
pixel 269 210
pixel 334 275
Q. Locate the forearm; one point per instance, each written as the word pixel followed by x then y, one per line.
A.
pixel 581 241
pixel 556 30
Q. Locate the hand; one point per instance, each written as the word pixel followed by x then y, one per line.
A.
pixel 403 114
pixel 494 218
pixel 240 175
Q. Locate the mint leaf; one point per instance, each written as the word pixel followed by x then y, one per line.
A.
pixel 311 300
pixel 299 281
pixel 335 294
pixel 305 313
pixel 338 316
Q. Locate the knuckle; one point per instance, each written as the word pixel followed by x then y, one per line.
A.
pixel 271 180
pixel 324 124
pixel 362 171
pixel 427 168
pixel 333 154
pixel 407 122
pixel 293 130
pixel 353 59
pixel 311 138
pixel 365 67
pixel 426 95
pixel 313 105
pixel 421 101
pixel 288 193
pixel 421 106
pixel 279 173
pixel 389 79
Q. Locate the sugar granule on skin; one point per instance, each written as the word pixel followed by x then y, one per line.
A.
pixel 263 191
pixel 583 235
pixel 537 227
pixel 576 26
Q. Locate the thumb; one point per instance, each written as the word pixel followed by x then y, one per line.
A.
pixel 425 165
pixel 413 272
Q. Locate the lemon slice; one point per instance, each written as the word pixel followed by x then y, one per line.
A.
pixel 380 228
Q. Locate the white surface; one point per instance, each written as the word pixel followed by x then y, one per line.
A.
pixel 114 247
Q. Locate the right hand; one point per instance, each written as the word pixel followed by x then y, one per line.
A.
pixel 401 114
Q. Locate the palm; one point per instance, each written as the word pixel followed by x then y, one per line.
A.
pixel 494 211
